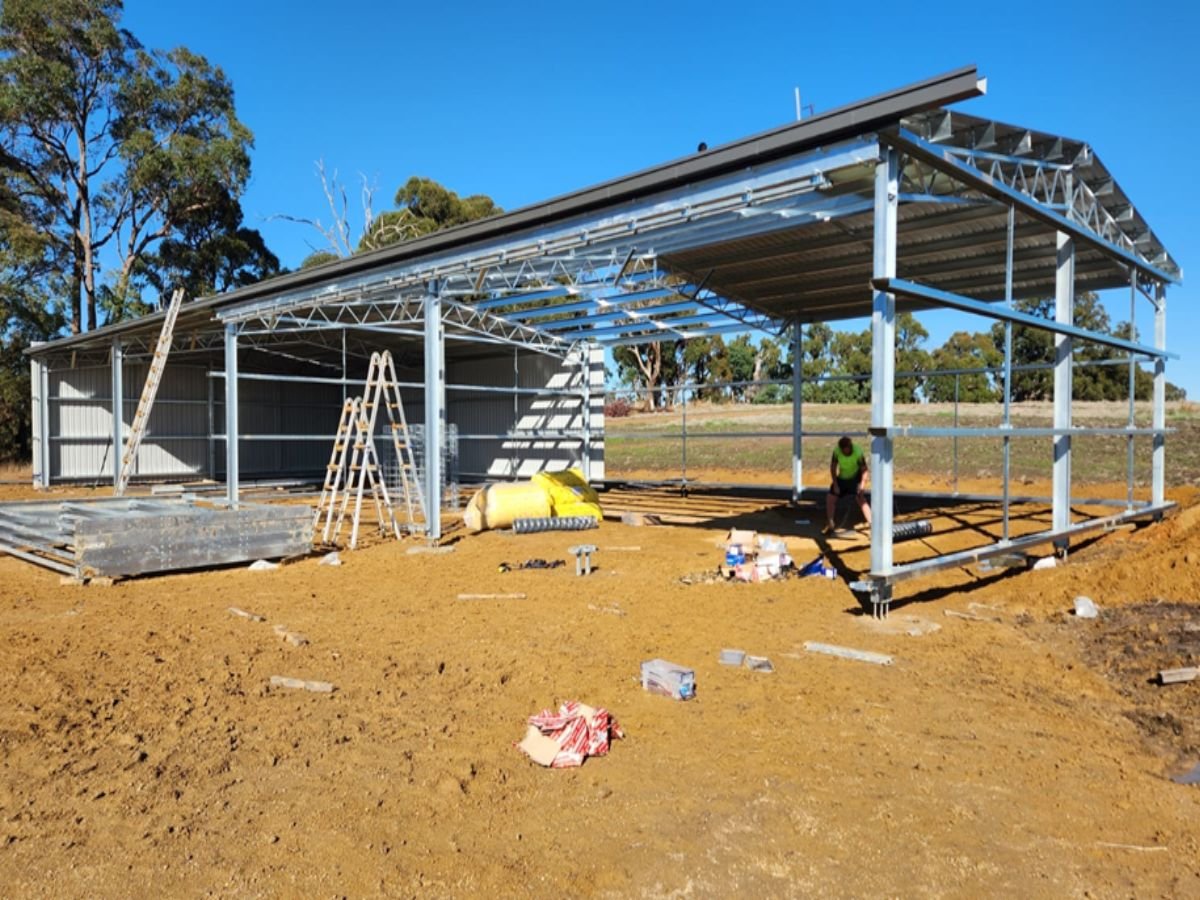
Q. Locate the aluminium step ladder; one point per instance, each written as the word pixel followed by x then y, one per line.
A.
pixel 141 418
pixel 354 468
pixel 383 389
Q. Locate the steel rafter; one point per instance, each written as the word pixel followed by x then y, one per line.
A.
pixel 947 160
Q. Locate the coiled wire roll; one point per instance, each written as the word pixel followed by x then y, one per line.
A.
pixel 553 523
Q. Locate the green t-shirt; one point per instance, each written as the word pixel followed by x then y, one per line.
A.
pixel 849 464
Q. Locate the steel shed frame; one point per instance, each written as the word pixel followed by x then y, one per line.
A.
pixel 895 202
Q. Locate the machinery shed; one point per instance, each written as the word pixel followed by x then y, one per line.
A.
pixel 897 202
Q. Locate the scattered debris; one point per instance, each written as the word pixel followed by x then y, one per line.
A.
pixel 632 549
pixel 879 659
pixel 66 580
pixel 566 738
pixel 1046 562
pixel 299 684
pixel 253 617
pixel 1132 847
pixel 732 657
pixel 1178 676
pixel 531 564
pixel 668 679
pixel 639 519
pixel 1192 777
pixel 491 596
pixel 819 568
pixel 759 664
pixel 913 626
pixel 971 617
pixel 1004 561
pixel 583 558
pixel 614 609
pixel 101 581
pixel 435 549
pixel 262 565
pixel 330 559
pixel 295 638
pixel 1085 608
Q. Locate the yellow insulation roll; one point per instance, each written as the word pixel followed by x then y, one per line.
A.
pixel 570 494
pixel 497 505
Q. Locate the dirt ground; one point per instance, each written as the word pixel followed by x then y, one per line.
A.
pixel 1022 752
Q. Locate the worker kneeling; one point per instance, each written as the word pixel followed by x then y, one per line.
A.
pixel 848 469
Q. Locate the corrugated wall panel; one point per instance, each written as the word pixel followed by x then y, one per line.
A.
pixel 525 414
pixel 175 444
pixel 285 408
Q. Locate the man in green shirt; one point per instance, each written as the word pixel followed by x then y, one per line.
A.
pixel 848 469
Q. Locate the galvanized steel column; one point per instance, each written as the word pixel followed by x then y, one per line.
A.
pixel 435 411
pixel 118 407
pixel 231 415
pixel 1008 350
pixel 883 361
pixel 797 409
pixel 1159 458
pixel 585 421
pixel 1064 313
pixel 38 419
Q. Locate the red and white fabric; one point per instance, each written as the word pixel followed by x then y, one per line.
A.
pixel 568 737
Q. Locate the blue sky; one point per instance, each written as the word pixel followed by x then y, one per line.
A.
pixel 527 101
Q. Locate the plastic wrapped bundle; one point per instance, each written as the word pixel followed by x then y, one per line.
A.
pixel 553 523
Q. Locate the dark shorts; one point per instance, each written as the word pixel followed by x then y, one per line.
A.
pixel 847 487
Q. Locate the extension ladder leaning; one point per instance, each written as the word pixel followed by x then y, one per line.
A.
pixel 149 391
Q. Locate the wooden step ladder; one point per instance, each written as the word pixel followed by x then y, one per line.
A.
pixel 141 418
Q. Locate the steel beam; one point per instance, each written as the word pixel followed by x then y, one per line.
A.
pixel 883 365
pixel 1008 369
pixel 1064 312
pixel 585 419
pixel 1159 452
pixel 945 160
pixel 118 407
pixel 435 411
pixel 231 415
pixel 797 409
pixel 925 294
pixel 1024 542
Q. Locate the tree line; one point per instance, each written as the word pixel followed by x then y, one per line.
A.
pixel 122 170
pixel 836 365
pixel 123 167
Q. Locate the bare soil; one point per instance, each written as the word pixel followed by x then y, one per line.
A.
pixel 142 751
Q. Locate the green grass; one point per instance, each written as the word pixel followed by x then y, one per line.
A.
pixel 1101 458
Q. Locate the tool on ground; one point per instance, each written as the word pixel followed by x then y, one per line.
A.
pixel 583 558
pixel 141 418
pixel 531 564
